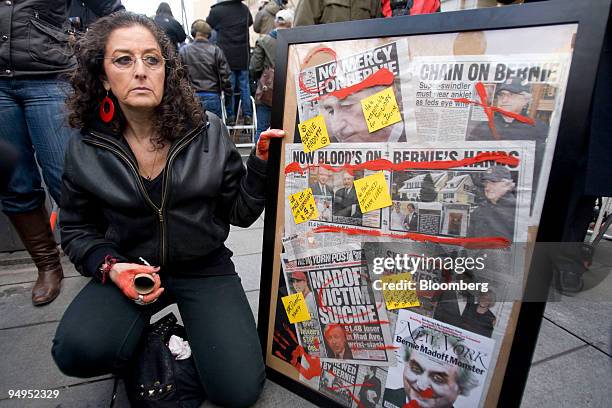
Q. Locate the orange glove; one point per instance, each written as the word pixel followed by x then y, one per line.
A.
pixel 264 142
pixel 122 274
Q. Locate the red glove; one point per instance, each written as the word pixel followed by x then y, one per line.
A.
pixel 123 275
pixel 264 142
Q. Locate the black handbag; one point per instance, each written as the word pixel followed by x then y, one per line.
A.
pixel 154 379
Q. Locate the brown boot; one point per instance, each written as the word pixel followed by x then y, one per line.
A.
pixel 35 232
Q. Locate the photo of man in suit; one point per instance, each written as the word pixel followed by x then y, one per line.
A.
pixel 411 222
pixel 320 186
pixel 370 391
pixel 336 342
pixel 345 202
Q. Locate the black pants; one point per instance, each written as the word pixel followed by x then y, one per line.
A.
pixel 101 328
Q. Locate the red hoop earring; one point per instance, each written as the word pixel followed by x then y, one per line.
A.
pixel 107 109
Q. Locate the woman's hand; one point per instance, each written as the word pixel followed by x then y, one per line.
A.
pixel 122 274
pixel 264 142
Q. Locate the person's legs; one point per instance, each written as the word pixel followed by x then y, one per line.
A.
pixel 245 95
pixel 46 117
pixel 31 119
pixel 23 193
pixel 100 331
pixel 223 337
pixel 263 119
pixel 211 101
pixel 229 102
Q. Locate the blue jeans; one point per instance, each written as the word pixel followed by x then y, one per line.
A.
pixel 263 119
pixel 33 120
pixel 240 78
pixel 211 101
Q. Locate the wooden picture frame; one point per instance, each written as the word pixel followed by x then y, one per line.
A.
pixel 590 19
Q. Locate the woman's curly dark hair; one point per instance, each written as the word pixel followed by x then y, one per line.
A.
pixel 179 108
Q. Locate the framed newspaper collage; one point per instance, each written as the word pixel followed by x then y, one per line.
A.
pixel 427 153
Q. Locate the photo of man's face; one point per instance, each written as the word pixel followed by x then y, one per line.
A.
pixel 336 339
pixel 347 180
pixel 345 120
pixel 494 190
pixel 421 373
pixel 510 101
pixel 324 175
pixel 300 285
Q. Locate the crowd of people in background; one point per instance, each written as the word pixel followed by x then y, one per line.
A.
pixel 33 88
pixel 222 66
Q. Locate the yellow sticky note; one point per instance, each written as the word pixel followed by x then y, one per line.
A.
pixel 381 110
pixel 401 296
pixel 295 306
pixel 314 133
pixel 303 206
pixel 372 192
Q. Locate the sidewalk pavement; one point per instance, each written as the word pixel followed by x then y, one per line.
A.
pixel 572 366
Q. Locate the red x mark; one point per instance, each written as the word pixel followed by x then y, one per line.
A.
pixel 488 109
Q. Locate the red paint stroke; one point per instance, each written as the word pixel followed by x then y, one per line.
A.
pixel 489 109
pixel 53 220
pixel 369 322
pixel 279 355
pixel 427 393
pixel 280 339
pixel 471 243
pixel 387 347
pixel 482 93
pixel 412 404
pixel 354 398
pixel 288 330
pixel 277 340
pixel 316 343
pixel 316 90
pixel 382 77
pixel 339 387
pixel 384 164
pixel 314 363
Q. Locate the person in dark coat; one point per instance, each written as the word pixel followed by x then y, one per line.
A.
pixel 85 15
pixel 514 96
pixel 165 20
pixel 494 217
pixel 477 317
pixel 311 12
pixel 208 69
pixel 411 222
pixel 263 58
pixel 336 342
pixel 32 95
pixel 156 180
pixel 370 391
pixel 321 186
pixel 232 19
pixel 264 19
pixel 345 199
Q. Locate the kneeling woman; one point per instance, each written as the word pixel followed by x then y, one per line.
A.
pixel 153 177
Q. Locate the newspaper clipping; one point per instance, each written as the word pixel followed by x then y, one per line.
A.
pixel 438 362
pixel 352 326
pixel 473 200
pixel 334 194
pixel 319 91
pixel 492 97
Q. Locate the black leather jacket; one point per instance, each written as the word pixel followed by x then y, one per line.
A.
pixel 207 67
pixel 34 35
pixel 105 209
